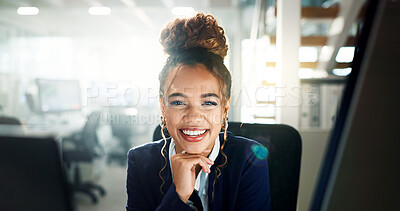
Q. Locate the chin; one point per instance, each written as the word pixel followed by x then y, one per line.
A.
pixel 194 149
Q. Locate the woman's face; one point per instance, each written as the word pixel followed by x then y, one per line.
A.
pixel 194 108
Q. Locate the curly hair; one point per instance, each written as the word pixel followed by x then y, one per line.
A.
pixel 191 41
pixel 196 40
pixel 198 31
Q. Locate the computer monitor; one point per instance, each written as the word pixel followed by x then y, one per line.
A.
pixel 361 168
pixel 31 176
pixel 59 95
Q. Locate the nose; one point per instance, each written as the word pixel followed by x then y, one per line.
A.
pixel 193 115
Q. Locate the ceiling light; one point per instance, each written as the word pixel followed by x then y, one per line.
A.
pixel 308 54
pixel 28 11
pixel 183 11
pixel 99 10
pixel 342 72
pixel 345 54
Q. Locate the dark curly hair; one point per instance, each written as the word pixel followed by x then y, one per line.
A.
pixel 191 41
pixel 196 40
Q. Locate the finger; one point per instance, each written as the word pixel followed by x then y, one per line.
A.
pixel 187 155
pixel 206 159
pixel 203 164
pixel 207 162
pixel 193 153
pixel 192 160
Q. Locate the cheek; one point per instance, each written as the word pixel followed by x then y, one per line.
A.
pixel 215 118
pixel 173 117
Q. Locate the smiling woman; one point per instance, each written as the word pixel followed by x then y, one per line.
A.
pixel 194 109
pixel 199 167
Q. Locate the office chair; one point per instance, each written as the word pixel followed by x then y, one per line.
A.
pixel 6 120
pixel 10 126
pixel 122 130
pixel 31 176
pixel 284 155
pixel 86 149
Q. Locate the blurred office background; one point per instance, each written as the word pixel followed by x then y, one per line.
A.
pixel 63 60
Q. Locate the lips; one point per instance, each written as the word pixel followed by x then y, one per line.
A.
pixel 193 134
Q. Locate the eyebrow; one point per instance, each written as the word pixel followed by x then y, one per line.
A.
pixel 209 95
pixel 176 94
pixel 205 95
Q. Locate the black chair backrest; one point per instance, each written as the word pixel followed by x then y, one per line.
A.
pixel 31 175
pixel 284 155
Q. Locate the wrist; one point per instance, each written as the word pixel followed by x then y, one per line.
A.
pixel 183 195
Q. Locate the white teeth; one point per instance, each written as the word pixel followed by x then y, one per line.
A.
pixel 193 132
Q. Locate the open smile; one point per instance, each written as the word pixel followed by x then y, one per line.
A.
pixel 193 134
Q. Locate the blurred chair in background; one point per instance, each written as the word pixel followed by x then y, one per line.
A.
pixel 122 131
pixel 84 147
pixel 10 126
pixel 31 175
pixel 5 120
pixel 284 155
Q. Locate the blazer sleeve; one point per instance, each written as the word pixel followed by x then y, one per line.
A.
pixel 137 193
pixel 254 189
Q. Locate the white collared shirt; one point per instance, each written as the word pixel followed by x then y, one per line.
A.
pixel 201 184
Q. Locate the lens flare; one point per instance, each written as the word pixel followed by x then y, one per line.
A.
pixel 259 151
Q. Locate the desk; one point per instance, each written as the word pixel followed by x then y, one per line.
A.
pixel 59 130
pixel 59 127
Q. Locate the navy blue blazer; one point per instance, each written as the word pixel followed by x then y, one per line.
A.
pixel 243 184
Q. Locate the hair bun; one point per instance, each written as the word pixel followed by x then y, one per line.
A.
pixel 198 31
